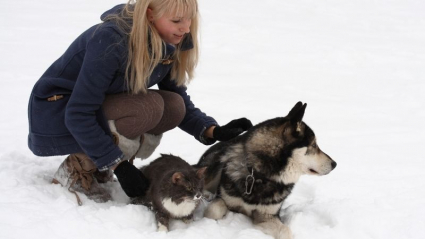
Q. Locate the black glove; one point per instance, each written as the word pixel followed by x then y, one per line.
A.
pixel 132 180
pixel 232 129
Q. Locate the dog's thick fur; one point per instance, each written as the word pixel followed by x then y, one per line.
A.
pixel 255 172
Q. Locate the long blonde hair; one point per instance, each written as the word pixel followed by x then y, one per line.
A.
pixel 145 46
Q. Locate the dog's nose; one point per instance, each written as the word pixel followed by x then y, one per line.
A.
pixel 333 164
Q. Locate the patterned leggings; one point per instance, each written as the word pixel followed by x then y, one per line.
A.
pixel 155 112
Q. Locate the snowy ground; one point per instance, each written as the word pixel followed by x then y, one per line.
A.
pixel 358 64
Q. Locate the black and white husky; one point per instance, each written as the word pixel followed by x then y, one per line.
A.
pixel 255 172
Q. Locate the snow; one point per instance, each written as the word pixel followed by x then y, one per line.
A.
pixel 358 64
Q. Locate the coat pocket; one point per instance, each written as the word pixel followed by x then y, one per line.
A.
pixel 47 108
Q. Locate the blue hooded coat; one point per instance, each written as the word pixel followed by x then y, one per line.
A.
pixel 92 67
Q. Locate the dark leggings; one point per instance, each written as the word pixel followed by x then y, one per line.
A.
pixel 154 112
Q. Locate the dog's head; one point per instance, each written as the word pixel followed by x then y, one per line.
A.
pixel 306 153
pixel 292 143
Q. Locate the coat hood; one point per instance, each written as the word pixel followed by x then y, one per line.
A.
pixel 187 43
pixel 113 11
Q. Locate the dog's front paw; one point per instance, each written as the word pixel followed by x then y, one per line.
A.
pixel 187 220
pixel 162 227
pixel 216 210
pixel 284 232
pixel 275 228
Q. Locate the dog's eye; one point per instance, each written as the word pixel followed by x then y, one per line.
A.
pixel 314 145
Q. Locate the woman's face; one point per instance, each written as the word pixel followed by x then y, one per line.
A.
pixel 171 28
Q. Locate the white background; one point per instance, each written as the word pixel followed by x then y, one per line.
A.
pixel 359 65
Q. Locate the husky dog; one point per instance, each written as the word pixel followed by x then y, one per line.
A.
pixel 255 172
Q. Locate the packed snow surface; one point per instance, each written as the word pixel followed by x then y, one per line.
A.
pixel 359 65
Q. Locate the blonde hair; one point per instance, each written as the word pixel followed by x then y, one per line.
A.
pixel 145 46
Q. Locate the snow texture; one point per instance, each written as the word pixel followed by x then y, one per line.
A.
pixel 360 66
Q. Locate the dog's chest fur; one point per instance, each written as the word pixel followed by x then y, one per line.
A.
pixel 238 204
pixel 245 194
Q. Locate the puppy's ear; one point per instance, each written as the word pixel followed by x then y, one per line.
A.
pixel 297 113
pixel 177 178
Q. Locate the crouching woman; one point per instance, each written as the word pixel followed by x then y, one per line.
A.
pixel 100 87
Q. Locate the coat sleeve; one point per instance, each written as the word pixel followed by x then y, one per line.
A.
pixel 101 63
pixel 195 121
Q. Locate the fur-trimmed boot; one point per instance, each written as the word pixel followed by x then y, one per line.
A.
pixel 148 145
pixel 141 147
pixel 77 173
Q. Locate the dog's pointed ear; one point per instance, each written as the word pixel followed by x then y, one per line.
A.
pixel 297 113
pixel 295 116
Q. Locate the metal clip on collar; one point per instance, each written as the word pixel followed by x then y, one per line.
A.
pixel 249 183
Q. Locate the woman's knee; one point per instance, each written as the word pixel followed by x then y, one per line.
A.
pixel 174 112
pixel 174 106
pixel 134 114
pixel 125 105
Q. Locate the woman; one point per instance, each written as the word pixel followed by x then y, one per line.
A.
pixel 105 75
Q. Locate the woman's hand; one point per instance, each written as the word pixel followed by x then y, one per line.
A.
pixel 132 180
pixel 231 130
